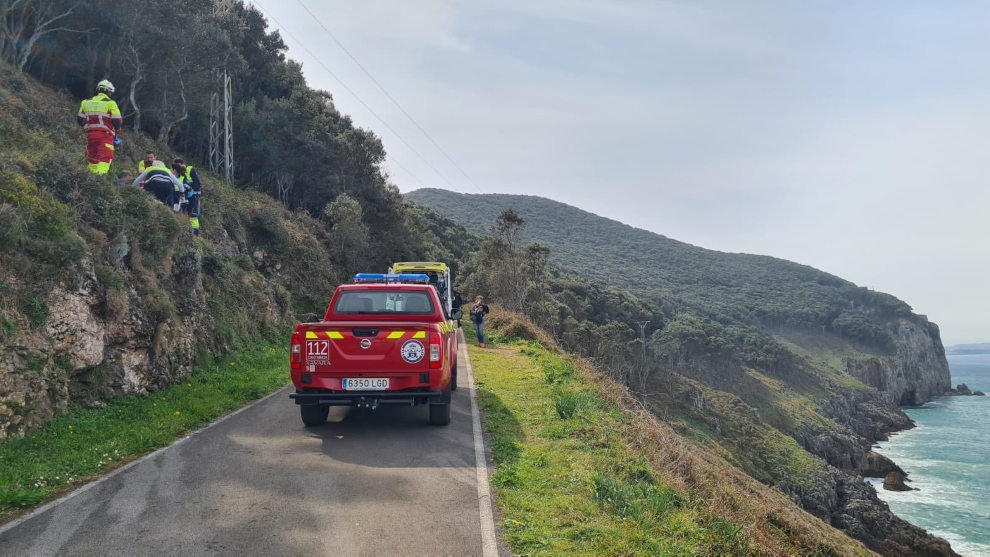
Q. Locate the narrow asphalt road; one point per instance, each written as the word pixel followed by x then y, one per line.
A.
pixel 380 482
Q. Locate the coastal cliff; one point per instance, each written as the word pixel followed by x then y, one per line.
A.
pixel 791 373
pixel 914 374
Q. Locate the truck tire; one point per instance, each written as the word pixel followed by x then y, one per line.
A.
pixel 453 378
pixel 440 411
pixel 314 414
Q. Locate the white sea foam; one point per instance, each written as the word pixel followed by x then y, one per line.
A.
pixel 962 546
pixel 947 458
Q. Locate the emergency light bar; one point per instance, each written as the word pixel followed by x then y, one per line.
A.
pixel 391 278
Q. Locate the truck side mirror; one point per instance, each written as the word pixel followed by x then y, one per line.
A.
pixel 456 314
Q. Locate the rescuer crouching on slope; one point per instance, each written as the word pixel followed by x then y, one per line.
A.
pixel 194 189
pixel 160 182
pixel 102 120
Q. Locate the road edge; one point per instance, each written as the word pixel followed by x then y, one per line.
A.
pixel 4 528
pixel 489 543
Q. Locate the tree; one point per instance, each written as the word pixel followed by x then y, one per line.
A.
pixel 24 22
pixel 348 233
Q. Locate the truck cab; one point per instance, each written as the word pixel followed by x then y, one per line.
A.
pixel 439 277
pixel 384 340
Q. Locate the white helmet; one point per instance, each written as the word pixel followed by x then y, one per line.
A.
pixel 105 85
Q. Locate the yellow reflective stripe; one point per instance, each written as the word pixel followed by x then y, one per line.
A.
pixel 310 334
pixel 396 334
pixel 420 334
pixel 334 334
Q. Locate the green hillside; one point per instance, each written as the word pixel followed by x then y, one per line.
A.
pixel 787 372
pixel 728 287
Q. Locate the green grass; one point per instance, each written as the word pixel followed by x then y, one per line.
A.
pixel 85 443
pixel 567 478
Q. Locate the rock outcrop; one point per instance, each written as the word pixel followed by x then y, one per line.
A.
pixel 963 390
pixel 862 515
pixel 896 481
pixel 99 341
pixel 915 373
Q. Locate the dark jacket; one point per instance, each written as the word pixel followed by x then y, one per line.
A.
pixel 478 312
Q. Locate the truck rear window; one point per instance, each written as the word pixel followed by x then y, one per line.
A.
pixel 372 302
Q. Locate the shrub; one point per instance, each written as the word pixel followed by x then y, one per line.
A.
pixel 36 311
pixel 568 404
pixel 7 327
pixel 13 229
pixel 48 218
pixel 110 279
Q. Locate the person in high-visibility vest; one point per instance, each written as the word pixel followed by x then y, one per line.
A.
pixel 101 118
pixel 149 159
pixel 193 190
pixel 159 181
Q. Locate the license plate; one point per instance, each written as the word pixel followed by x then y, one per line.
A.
pixel 365 384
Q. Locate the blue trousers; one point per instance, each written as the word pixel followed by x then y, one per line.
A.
pixel 479 327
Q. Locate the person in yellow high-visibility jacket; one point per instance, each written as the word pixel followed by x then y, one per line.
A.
pixel 149 160
pixel 192 192
pixel 102 120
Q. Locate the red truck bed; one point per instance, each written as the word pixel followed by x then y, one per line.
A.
pixel 378 344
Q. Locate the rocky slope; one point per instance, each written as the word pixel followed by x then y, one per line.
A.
pixel 104 291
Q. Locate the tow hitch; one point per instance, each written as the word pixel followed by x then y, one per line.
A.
pixel 371 403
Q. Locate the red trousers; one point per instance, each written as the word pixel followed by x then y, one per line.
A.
pixel 99 151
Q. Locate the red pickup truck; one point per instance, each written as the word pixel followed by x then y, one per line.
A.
pixel 384 340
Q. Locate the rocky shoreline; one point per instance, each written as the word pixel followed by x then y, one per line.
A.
pixel 962 390
pixel 916 373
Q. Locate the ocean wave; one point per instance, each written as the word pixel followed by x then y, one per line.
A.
pixel 945 466
pixel 962 546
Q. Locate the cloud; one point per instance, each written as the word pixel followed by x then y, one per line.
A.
pixel 845 135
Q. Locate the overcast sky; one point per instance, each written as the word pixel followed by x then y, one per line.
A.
pixel 850 136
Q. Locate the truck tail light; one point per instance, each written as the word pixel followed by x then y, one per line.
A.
pixel 436 354
pixel 295 353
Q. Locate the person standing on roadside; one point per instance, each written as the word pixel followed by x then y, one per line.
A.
pixel 478 312
pixel 457 302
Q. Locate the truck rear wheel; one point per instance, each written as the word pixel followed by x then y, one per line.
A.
pixel 314 414
pixel 453 378
pixel 440 411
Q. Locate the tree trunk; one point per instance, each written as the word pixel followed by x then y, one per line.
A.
pixel 135 81
pixel 167 127
pixel 42 26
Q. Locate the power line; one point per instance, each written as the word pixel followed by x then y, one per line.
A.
pixel 364 104
pixel 386 93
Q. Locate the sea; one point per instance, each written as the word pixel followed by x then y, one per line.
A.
pixel 947 458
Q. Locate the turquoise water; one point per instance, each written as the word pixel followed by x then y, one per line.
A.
pixel 947 458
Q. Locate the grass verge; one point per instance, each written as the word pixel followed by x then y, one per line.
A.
pixel 567 480
pixel 83 443
pixel 581 467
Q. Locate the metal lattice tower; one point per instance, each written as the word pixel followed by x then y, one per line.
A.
pixel 222 6
pixel 222 131
pixel 221 121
